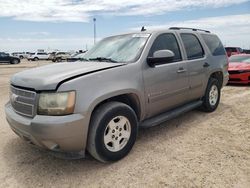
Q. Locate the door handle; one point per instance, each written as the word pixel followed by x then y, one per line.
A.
pixel 181 70
pixel 206 65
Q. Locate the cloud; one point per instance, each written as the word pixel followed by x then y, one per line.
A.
pixel 233 29
pixel 82 11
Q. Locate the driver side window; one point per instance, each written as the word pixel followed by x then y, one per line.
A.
pixel 166 42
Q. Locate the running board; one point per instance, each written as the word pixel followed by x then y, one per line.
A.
pixel 169 115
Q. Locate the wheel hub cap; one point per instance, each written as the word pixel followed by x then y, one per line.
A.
pixel 213 95
pixel 117 133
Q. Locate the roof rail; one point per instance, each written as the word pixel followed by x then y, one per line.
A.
pixel 193 29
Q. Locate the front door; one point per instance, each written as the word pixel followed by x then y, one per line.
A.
pixel 166 85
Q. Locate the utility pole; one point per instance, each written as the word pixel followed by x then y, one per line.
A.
pixel 94 20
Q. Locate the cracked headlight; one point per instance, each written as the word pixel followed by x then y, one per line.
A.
pixel 56 104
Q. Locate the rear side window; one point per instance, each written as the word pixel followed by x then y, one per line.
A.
pixel 192 45
pixel 166 42
pixel 214 44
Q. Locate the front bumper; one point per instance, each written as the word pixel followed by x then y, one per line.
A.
pixel 55 133
pixel 243 78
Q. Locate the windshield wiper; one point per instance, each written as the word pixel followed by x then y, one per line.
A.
pixel 103 59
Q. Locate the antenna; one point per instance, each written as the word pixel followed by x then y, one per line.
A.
pixel 143 29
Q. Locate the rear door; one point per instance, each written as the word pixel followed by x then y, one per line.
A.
pixel 166 85
pixel 197 65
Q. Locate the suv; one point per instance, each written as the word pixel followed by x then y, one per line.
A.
pixel 6 58
pixel 123 82
pixel 233 51
pixel 61 56
pixel 39 56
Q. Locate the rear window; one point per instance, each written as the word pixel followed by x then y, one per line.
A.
pixel 193 46
pixel 214 44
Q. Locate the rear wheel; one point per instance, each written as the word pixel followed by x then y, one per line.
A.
pixel 36 59
pixel 14 61
pixel 212 96
pixel 113 131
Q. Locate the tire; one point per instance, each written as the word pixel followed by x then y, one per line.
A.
pixel 14 61
pixel 212 96
pixel 21 57
pixel 58 59
pixel 36 59
pixel 106 143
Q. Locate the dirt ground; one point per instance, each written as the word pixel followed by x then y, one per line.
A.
pixel 194 150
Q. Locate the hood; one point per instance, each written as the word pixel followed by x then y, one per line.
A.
pixel 239 66
pixel 49 76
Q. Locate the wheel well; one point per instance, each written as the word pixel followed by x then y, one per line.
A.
pixel 219 76
pixel 129 99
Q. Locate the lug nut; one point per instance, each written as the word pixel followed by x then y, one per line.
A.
pixel 117 127
pixel 120 134
pixel 120 129
pixel 113 131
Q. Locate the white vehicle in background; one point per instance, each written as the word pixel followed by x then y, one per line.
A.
pixel 39 56
pixel 21 55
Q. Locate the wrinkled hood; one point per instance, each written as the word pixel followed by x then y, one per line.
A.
pixel 49 76
pixel 239 66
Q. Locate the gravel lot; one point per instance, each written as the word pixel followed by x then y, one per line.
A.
pixel 194 150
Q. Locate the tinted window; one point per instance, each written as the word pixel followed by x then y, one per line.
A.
pixel 166 42
pixel 41 54
pixel 231 49
pixel 192 45
pixel 214 44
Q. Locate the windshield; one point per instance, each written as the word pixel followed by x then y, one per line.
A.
pixel 239 59
pixel 123 48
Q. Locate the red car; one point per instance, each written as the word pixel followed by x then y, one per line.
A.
pixel 233 51
pixel 239 69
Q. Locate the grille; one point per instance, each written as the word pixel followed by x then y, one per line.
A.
pixel 238 72
pixel 23 101
pixel 234 79
pixel 234 72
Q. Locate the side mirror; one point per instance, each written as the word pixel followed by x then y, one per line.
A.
pixel 160 57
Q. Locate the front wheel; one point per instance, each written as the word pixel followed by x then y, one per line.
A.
pixel 212 96
pixel 113 131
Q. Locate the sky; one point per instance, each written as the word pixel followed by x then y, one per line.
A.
pixel 29 25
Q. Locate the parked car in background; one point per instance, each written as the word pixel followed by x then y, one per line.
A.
pixel 130 80
pixel 21 55
pixel 245 51
pixel 239 69
pixel 60 56
pixel 51 55
pixel 6 58
pixel 29 58
pixel 39 56
pixel 76 57
pixel 233 51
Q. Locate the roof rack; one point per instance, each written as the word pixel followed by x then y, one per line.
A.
pixel 193 29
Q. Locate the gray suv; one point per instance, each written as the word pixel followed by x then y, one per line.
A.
pixel 124 82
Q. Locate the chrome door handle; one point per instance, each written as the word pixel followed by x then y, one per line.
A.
pixel 181 70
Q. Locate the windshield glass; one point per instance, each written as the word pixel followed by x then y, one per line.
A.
pixel 123 48
pixel 239 59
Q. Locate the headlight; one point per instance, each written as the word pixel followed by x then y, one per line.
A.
pixel 61 103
